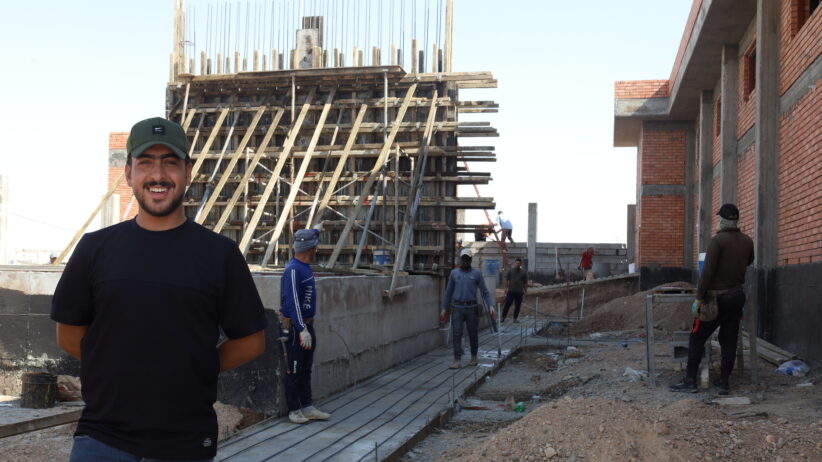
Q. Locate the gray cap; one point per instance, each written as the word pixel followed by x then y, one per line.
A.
pixel 306 239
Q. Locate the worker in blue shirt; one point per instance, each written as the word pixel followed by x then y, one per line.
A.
pixel 298 295
pixel 463 284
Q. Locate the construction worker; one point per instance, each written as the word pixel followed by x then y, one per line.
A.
pixel 586 264
pixel 463 284
pixel 506 228
pixel 141 304
pixel 516 286
pixel 723 275
pixel 298 295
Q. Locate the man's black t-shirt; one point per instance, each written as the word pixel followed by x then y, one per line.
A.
pixel 154 302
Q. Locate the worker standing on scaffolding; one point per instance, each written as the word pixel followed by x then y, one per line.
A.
pixel 463 284
pixel 506 228
pixel 298 294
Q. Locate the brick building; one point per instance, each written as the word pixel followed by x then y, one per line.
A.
pixel 122 206
pixel 739 120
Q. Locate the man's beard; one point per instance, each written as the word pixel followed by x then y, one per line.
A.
pixel 162 212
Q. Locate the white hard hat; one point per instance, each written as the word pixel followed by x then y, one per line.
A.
pixel 466 253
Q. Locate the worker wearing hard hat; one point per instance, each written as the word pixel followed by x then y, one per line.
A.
pixel 463 284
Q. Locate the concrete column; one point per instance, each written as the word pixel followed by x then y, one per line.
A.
pixel 728 122
pixel 767 132
pixel 706 169
pixel 4 220
pixel 532 237
pixel 690 194
pixel 630 241
pixel 110 215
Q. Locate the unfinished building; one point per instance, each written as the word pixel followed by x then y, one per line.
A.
pixel 737 121
pixel 371 147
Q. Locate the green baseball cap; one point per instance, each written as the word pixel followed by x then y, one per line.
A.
pixel 157 130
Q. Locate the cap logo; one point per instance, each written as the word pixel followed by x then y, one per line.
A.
pixel 158 130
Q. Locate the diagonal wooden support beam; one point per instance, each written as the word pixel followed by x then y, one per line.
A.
pixel 292 194
pixel 250 169
pixel 189 118
pixel 352 138
pixel 358 201
pixel 245 243
pixel 231 164
pixel 214 132
pixel 413 200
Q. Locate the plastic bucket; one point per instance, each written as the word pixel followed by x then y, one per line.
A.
pixel 39 390
pixel 382 257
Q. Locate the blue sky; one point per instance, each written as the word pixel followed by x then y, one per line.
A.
pixel 85 68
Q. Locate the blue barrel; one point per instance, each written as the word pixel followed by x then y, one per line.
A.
pixel 701 263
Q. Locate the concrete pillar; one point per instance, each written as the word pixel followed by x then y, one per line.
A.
pixel 110 215
pixel 630 236
pixel 706 169
pixel 690 195
pixel 767 132
pixel 728 122
pixel 4 220
pixel 532 237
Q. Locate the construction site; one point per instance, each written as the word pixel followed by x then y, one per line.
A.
pixel 297 117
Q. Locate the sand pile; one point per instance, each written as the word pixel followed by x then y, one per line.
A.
pixel 628 313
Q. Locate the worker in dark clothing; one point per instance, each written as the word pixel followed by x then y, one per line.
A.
pixel 463 284
pixel 723 275
pixel 516 286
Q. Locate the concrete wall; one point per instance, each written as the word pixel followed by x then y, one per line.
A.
pixel 359 333
pixel 609 259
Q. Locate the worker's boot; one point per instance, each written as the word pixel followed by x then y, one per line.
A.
pixel 722 386
pixel 473 361
pixel 687 385
pixel 297 417
pixel 312 413
pixel 455 365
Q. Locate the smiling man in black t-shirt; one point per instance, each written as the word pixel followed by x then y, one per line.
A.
pixel 141 304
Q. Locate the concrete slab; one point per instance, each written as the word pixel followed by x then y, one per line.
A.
pixel 383 414
pixel 15 420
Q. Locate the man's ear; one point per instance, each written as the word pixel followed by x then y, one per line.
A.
pixel 128 174
pixel 189 166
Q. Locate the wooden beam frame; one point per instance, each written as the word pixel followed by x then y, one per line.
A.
pixel 245 243
pixel 250 170
pixel 231 164
pixel 214 132
pixel 374 173
pixel 292 194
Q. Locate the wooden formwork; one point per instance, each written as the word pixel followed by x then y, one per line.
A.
pixel 277 151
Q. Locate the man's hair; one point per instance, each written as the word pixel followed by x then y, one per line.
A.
pixel 499 213
pixel 519 259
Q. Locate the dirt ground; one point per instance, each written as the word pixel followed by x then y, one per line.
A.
pixel 54 444
pixel 580 406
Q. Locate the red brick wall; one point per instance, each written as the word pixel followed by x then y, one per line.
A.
pixel 662 232
pixel 661 219
pixel 746 102
pixel 641 89
pixel 800 181
pixel 716 196
pixel 117 140
pixel 663 157
pixel 745 190
pixel 798 49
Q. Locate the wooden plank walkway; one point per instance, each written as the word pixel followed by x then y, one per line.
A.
pixel 375 419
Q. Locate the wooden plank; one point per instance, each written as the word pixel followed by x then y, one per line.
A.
pixel 413 201
pixel 214 131
pixel 374 172
pixel 352 136
pixel 40 423
pixel 231 164
pixel 292 193
pixel 249 170
pixel 82 229
pixel 245 243
pixel 189 118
